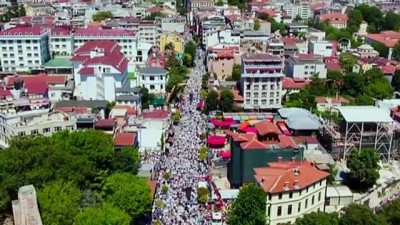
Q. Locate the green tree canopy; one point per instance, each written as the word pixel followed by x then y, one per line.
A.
pixel 105 214
pixel 219 3
pixel 355 20
pixel 396 52
pixel 226 100
pixel 334 75
pixel 190 48
pixel 249 207
pixel 212 100
pixel 356 214
pixel 153 16
pixel 381 48
pixel 364 168
pixel 236 72
pixel 318 218
pixel 396 80
pixel 391 212
pixel 353 84
pixel 347 61
pixel 59 202
pixel 102 15
pixel 257 24
pixel 129 193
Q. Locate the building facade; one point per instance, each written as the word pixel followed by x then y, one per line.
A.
pixel 153 78
pixel 23 49
pixel 305 66
pixel 261 81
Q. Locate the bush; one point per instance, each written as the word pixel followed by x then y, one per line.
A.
pixel 166 176
pixel 202 195
pixel 160 203
pixel 164 189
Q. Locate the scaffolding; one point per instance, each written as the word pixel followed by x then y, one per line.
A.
pixel 362 127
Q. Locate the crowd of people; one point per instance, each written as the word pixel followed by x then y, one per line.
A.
pixel 177 191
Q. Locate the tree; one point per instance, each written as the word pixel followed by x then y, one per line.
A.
pixel 126 160
pixel 249 207
pixel 372 15
pixel 21 10
pixel 202 195
pixel 391 212
pixel 102 15
pixel 226 100
pixel 106 214
pixel 263 16
pixel 381 48
pixel 318 218
pixel 356 214
pixel 59 202
pixel 364 100
pixel 355 20
pixel 396 52
pixel 190 48
pixel 172 61
pixel 212 100
pixel 236 72
pixel 391 21
pixel 153 16
pixel 129 193
pixel 364 168
pixel 347 61
pixel 219 3
pixel 379 89
pixel 257 24
pixel 187 60
pixel 203 94
pixel 145 98
pixel 353 84
pixel 298 18
pixel 334 75
pixel 396 80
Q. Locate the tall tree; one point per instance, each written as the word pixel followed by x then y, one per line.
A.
pixel 391 21
pixel 356 214
pixel 249 207
pixel 212 100
pixel 355 20
pixel 396 52
pixel 190 48
pixel 106 214
pixel 129 193
pixel 353 84
pixel 396 80
pixel 226 100
pixel 364 168
pixel 381 48
pixel 318 218
pixel 236 72
pixel 257 24
pixel 391 212
pixel 347 61
pixel 59 202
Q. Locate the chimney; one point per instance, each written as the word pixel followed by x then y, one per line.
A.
pixel 280 159
pixel 296 171
pixel 286 186
pixel 296 184
pixel 293 159
pixel 262 180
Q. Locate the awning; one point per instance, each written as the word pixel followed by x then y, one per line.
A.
pixel 243 125
pixel 250 130
pixel 253 122
pixel 252 117
pixel 216 140
pixel 226 155
pixel 237 118
pixel 244 118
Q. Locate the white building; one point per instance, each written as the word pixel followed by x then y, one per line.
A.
pixel 261 81
pixel 25 208
pixel 255 36
pixel 322 48
pixel 149 32
pixel 33 122
pixel 301 9
pixel 153 78
pixel 99 69
pixel 61 41
pixel 173 24
pixel 293 189
pixel 23 48
pixel 126 39
pixel 228 37
pixel 211 23
pixel 304 66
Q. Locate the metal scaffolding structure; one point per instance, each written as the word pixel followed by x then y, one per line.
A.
pixel 363 127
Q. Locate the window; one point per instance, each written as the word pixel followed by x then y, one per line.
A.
pixel 57 128
pixel 279 212
pixel 46 130
pixel 289 210
pixel 299 207
pixel 312 200
pixel 152 87
pixel 143 78
pixel 306 205
pixel 21 133
pixel 319 196
pixel 151 78
pixel 280 196
pixel 161 77
pixel 291 195
pixel 35 131
pixel 70 127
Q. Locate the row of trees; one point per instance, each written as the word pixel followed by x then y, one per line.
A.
pixel 12 12
pixel 102 15
pixel 223 101
pixel 78 176
pixel 359 88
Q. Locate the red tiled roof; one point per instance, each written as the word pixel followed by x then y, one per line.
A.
pixel 31 31
pixel 267 127
pixel 290 83
pixel 254 144
pixel 130 110
pixel 124 139
pixel 288 41
pixel 334 17
pixel 28 79
pixel 86 71
pixel 260 57
pixel 284 176
pixel 156 114
pixel 95 32
pixel 270 12
pixel 333 66
pixel 338 100
pixel 60 31
pixel 5 93
pixel 388 69
pixel 119 62
pixel 105 123
pixel 154 9
pixel 107 47
pixel 389 38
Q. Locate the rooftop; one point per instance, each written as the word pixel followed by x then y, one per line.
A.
pixel 153 70
pixel 300 119
pixel 389 38
pixel 280 177
pixel 260 57
pixel 22 31
pixel 90 32
pixel 59 62
pixel 124 139
pixel 364 114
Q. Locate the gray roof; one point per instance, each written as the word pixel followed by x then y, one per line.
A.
pixel 364 114
pixel 153 70
pixel 300 119
pixel 83 103
pixel 127 98
pixel 127 89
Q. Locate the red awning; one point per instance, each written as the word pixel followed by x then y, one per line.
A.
pixel 216 140
pixel 226 155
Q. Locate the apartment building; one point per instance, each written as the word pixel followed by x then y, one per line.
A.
pixel 173 24
pixel 129 23
pixel 209 24
pixel 254 36
pixel 99 69
pixel 299 9
pixel 322 48
pixel 293 189
pixel 227 37
pixel 275 46
pixel 154 79
pixel 220 61
pixel 149 32
pixel 261 81
pixel 305 66
pixel 61 41
pixel 198 4
pixel 125 38
pixel 337 20
pixel 23 48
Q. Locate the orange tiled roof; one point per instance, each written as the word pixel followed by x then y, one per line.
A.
pixel 389 38
pixel 267 127
pixel 282 176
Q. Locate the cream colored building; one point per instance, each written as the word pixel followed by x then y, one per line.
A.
pixel 175 39
pixel 293 189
